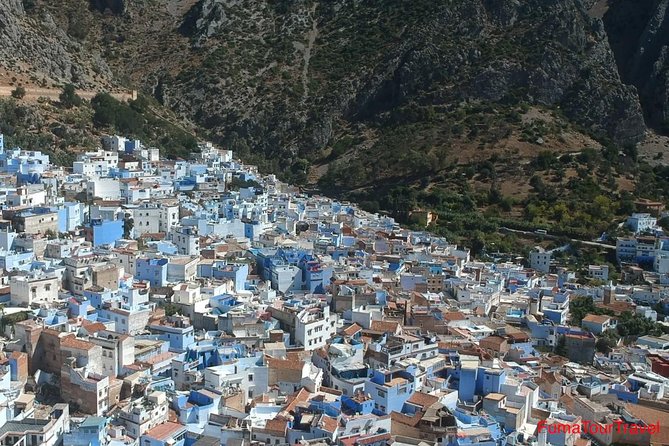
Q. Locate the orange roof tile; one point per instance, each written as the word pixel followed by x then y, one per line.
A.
pixel 164 431
pixel 329 424
pixel 596 318
pixel 71 341
pixel 422 399
pixel 275 426
pixel 650 415
pixel 384 326
pixel 352 329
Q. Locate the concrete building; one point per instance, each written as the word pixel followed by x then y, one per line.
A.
pixel 641 222
pixel 142 416
pixel 540 260
pixel 45 430
pixel 37 288
pixel 103 188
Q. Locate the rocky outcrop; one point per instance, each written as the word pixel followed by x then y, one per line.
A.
pixel 370 59
pixel 36 46
pixel 286 78
pixel 114 6
pixel 639 35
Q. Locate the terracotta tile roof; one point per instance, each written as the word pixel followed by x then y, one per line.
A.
pixel 159 358
pixel 301 396
pixel 454 316
pixel 290 363
pixel 582 442
pixel 373 439
pixel 567 401
pixel 329 424
pixel 94 327
pixel 650 415
pixel 596 318
pixel 384 326
pixel 71 341
pixel 352 329
pixel 551 377
pixel 405 419
pixel 276 426
pixel 517 335
pixel 164 431
pixel 422 399
pixel 492 342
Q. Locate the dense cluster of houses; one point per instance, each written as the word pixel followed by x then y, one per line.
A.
pixel 151 302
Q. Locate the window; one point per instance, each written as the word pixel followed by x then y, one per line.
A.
pixel 250 378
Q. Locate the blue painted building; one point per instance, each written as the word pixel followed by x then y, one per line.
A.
pixel 489 380
pixel 106 232
pixel 26 162
pixel 177 331
pixel 76 307
pixel 390 390
pixel 238 273
pixel 19 261
pixel 467 382
pixel 91 432
pixel 194 409
pixel 361 405
pixel 70 216
pixel 153 271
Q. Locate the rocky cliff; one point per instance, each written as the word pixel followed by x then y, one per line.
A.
pixel 287 77
pixel 35 46
pixel 304 83
pixel 639 35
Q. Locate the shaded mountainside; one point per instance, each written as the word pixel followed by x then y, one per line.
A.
pixel 41 47
pixel 525 109
pixel 290 80
pixel 292 76
pixel 639 35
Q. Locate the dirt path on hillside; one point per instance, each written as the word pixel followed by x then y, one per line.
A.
pixel 34 93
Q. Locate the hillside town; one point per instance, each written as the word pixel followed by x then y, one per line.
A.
pixel 155 302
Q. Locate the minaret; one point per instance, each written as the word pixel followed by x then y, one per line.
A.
pixel 609 293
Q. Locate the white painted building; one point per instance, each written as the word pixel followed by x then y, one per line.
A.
pixel 153 218
pixel 639 222
pixel 104 188
pixel 540 260
pixel 314 327
pixel 34 288
pixel 186 240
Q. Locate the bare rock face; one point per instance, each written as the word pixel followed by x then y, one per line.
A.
pixel 117 7
pixel 639 35
pixel 36 46
pixel 286 78
pixel 283 76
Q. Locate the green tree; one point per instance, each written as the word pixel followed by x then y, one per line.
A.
pixel 68 97
pixel 19 92
pixel 172 309
pixel 29 5
pixel 128 224
pixel 561 346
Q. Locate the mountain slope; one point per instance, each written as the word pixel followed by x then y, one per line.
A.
pixel 456 105
pixel 639 35
pixel 264 76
